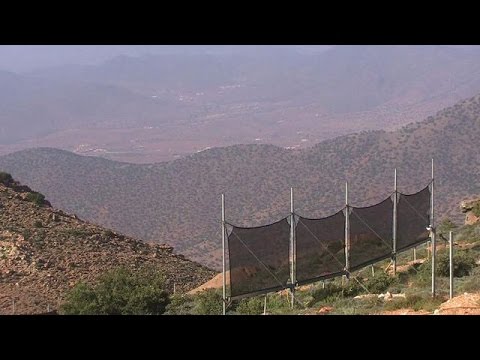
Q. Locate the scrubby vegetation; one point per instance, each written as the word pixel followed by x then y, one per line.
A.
pixel 119 292
pixel 476 209
pixel 35 197
pixel 5 178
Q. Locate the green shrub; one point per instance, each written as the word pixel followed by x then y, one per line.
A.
pixel 180 305
pixel 119 292
pixel 476 209
pixel 463 263
pixel 37 224
pixel 445 227
pixel 36 198
pixel 468 283
pixel 108 233
pixel 380 283
pixel 208 302
pixel 415 302
pixel 251 306
pixel 5 178
pixel 330 292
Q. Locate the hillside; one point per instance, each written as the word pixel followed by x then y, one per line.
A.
pixel 152 108
pixel 179 202
pixel 44 252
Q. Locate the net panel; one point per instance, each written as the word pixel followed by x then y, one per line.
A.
pixel 413 218
pixel 371 230
pixel 320 245
pixel 259 258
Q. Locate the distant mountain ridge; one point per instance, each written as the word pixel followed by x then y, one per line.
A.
pixel 164 106
pixel 178 202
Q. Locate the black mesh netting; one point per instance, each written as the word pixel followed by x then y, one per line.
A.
pixel 371 230
pixel 320 248
pixel 413 217
pixel 259 258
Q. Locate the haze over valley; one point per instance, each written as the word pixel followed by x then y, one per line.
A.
pixel 145 104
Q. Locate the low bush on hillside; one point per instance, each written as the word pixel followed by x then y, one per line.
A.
pixel 251 306
pixel 180 305
pixel 36 198
pixel 476 209
pixel 119 292
pixel 445 227
pixel 463 264
pixel 208 302
pixel 415 302
pixel 380 283
pixel 5 178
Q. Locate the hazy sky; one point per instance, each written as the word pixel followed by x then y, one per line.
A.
pixel 19 58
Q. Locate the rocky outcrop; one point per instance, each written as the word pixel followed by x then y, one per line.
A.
pixel 44 252
pixel 471 209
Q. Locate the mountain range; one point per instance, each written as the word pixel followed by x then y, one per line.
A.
pixel 178 202
pixel 146 108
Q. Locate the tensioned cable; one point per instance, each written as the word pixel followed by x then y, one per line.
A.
pixel 320 242
pixel 419 214
pixel 265 266
pixel 383 240
pixel 260 261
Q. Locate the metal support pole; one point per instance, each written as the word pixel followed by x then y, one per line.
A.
pixel 347 231
pixel 373 271
pixel 414 254
pixel 450 240
pixel 13 303
pixel 432 232
pixel 265 306
pixel 395 225
pixel 293 247
pixel 224 280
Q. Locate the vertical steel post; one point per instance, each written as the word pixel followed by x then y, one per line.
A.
pixel 293 247
pixel 347 231
pixel 432 232
pixel 450 240
pixel 224 280
pixel 395 225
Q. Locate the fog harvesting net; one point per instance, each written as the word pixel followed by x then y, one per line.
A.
pixel 413 218
pixel 320 248
pixel 259 258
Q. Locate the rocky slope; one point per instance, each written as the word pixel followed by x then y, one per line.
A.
pixel 44 252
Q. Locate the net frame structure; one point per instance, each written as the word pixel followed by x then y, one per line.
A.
pixel 336 238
